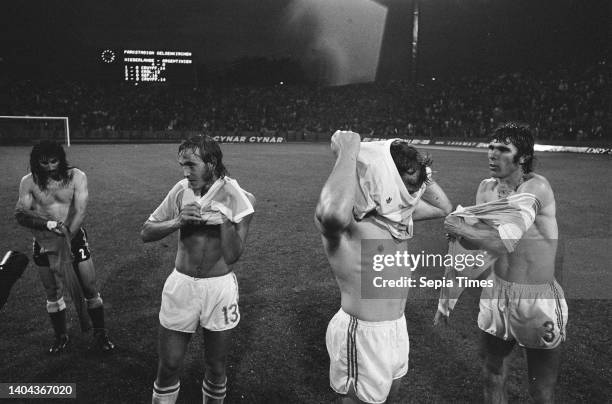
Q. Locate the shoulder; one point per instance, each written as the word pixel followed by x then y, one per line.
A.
pixel 180 186
pixel 26 185
pixel 485 188
pixel 487 183
pixel 537 185
pixel 246 193
pixel 178 189
pixel 27 180
pixel 76 174
pixel 77 178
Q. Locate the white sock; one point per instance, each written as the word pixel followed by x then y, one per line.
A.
pixel 213 391
pixel 165 395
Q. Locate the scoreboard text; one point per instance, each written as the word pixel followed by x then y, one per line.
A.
pixel 152 66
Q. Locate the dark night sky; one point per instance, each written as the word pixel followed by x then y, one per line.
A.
pixel 455 35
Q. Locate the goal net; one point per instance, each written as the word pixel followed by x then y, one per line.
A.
pixel 16 130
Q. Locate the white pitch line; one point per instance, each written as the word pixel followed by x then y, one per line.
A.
pixel 451 148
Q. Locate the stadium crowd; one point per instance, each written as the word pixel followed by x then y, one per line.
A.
pixel 561 103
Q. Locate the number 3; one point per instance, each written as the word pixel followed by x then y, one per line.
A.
pixel 549 331
pixel 233 316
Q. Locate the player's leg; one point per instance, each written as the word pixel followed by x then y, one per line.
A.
pixel 56 307
pixel 216 348
pixel 394 392
pixel 543 369
pixel 172 346
pixel 401 356
pixel 218 318
pixel 87 277
pixel 540 329
pixel 95 305
pixel 84 265
pixel 495 352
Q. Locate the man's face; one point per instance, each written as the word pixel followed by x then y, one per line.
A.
pixel 50 165
pixel 195 170
pixel 502 159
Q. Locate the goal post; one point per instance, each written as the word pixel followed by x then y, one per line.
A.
pixel 17 129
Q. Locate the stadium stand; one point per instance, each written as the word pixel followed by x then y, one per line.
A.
pixel 571 104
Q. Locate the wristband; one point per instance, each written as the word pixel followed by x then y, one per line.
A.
pixel 51 225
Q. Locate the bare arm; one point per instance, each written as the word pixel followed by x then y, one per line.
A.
pixel 153 231
pixel 433 204
pixel 334 212
pixel 80 199
pixel 23 210
pixel 233 236
pixel 478 236
pixel 486 237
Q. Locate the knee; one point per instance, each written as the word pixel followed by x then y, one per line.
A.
pixel 52 291
pixel 88 282
pixel 90 292
pixel 95 301
pixel 170 366
pixel 215 370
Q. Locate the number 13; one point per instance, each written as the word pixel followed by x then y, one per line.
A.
pixel 230 313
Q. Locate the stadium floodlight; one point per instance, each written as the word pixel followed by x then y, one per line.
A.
pixel 64 119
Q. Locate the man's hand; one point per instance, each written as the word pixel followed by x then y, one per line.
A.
pixel 190 215
pixel 344 140
pixel 453 225
pixel 440 318
pixel 56 227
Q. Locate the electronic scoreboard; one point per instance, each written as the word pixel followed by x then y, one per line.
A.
pixel 151 66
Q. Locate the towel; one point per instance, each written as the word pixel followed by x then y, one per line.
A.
pixel 381 188
pixel 511 216
pixel 61 262
pixel 225 198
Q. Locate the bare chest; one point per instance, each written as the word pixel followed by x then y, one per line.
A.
pixel 497 191
pixel 201 239
pixel 55 193
pixel 356 250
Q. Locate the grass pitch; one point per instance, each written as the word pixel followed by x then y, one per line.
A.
pixel 287 291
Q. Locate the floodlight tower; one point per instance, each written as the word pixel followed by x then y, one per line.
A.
pixel 415 39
